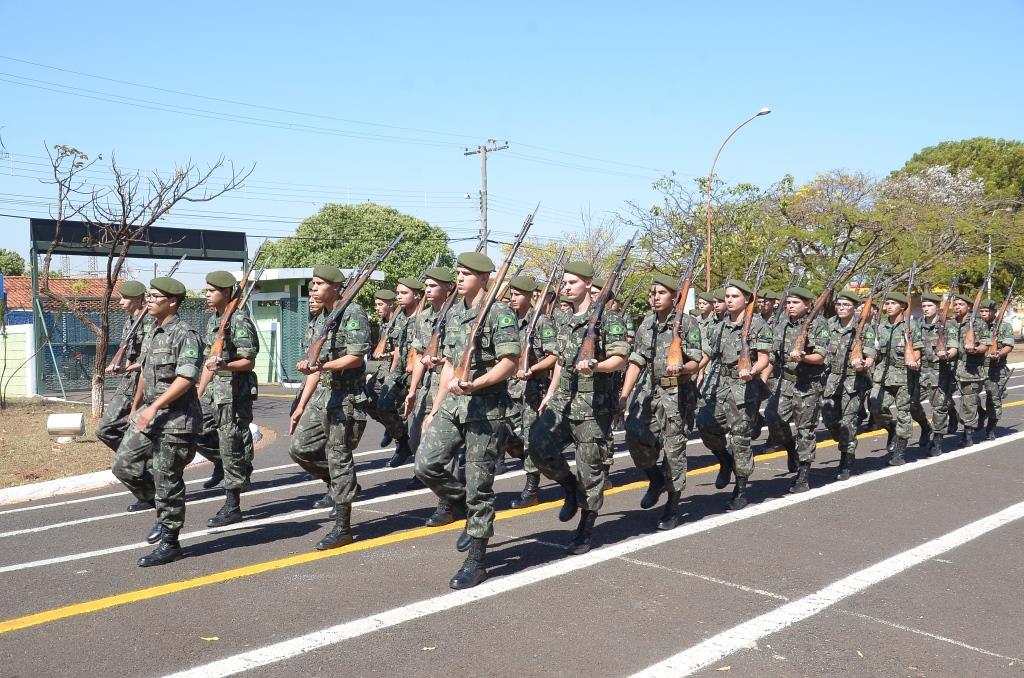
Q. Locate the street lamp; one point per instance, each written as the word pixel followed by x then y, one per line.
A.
pixel 711 176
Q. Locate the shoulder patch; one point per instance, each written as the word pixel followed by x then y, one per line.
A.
pixel 353 324
pixel 190 352
pixel 548 332
pixel 616 328
pixel 242 333
pixel 694 335
pixel 506 321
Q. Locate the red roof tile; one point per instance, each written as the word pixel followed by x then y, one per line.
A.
pixel 19 289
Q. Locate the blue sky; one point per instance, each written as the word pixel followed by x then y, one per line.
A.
pixel 396 90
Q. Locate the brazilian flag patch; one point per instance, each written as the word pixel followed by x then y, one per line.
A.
pixel 616 329
pixel 190 353
pixel 694 336
pixel 506 321
pixel 242 333
pixel 352 325
pixel 548 333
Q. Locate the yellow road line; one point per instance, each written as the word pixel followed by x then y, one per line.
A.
pixel 149 593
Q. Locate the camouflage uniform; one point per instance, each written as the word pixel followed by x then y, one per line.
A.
pixel 426 391
pixel 227 401
pixel 478 420
pixel 997 374
pixel 581 410
pixel 937 379
pixel 892 384
pixel 845 387
pixel 796 400
pixel 971 372
pixel 168 444
pixel 307 341
pixel 657 418
pixel 328 423
pixel 396 383
pixel 114 424
pixel 527 395
pixel 726 421
pixel 375 379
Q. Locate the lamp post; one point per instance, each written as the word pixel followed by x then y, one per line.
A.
pixel 711 176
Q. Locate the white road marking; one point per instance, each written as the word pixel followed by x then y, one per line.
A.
pixel 704 577
pixel 934 636
pixel 743 635
pixel 333 635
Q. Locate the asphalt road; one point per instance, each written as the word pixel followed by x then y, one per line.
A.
pixel 909 571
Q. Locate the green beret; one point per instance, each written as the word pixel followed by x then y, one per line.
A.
pixel 598 283
pixel 932 297
pixel 667 281
pixel 132 288
pixel 221 279
pixel 802 293
pixel 384 295
pixel 964 298
pixel 562 299
pixel 740 285
pixel 850 296
pixel 476 262
pixel 705 296
pixel 523 283
pixel 168 286
pixel 897 296
pixel 580 268
pixel 989 304
pixel 440 274
pixel 718 295
pixel 770 295
pixel 331 274
pixel 414 284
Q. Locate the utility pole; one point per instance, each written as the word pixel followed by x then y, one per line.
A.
pixel 483 150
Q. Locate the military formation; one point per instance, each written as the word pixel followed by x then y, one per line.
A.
pixel 473 366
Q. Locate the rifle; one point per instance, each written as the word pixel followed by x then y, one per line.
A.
pixel 675 349
pixel 239 299
pixel 347 297
pixel 908 336
pixel 413 353
pixel 621 282
pixel 800 343
pixel 588 347
pixel 524 357
pixel 994 348
pixel 748 313
pixel 508 280
pixel 137 323
pixel 790 284
pixel 969 338
pixel 461 372
pixel 940 329
pixel 857 350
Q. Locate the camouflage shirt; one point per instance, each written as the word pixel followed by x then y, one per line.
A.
pixel 841 345
pixel 725 341
pixel 930 338
pixel 653 338
pixel 582 397
pixel 786 333
pixel 891 365
pixel 544 337
pixel 349 336
pixel 1004 337
pixel 168 352
pixel 971 366
pixel 240 341
pixel 401 331
pixel 133 350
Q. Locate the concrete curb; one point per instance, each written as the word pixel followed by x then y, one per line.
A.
pixel 80 483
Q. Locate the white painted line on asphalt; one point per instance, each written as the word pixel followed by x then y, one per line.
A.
pixel 704 577
pixel 727 642
pixel 333 635
pixel 933 636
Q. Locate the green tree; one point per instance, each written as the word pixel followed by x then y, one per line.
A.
pixel 11 263
pixel 999 162
pixel 345 235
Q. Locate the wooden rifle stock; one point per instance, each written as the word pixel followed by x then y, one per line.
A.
pixel 238 299
pixel 743 362
pixel 675 348
pixel 940 329
pixel 524 357
pixel 969 338
pixel 588 347
pixel 994 348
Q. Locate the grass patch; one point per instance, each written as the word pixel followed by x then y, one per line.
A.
pixel 29 455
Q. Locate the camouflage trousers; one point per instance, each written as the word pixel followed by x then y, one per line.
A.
pixel 970 402
pixel 792 415
pixel 151 465
pixel 226 438
pixel 726 422
pixel 114 423
pixel 890 406
pixel 523 416
pixel 435 465
pixel 995 391
pixel 389 406
pixel 840 408
pixel 425 394
pixel 658 422
pixel 553 430
pixel 937 388
pixel 325 437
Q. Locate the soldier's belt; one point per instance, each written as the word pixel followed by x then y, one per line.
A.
pixel 790 377
pixel 731 371
pixel 223 373
pixel 671 382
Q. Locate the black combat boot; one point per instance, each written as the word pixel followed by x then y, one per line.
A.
pixel 445 514
pixel 936 448
pixel 414 483
pixel 472 571
pixel 341 534
pixel 155 533
pixel 968 437
pixel 792 459
pixel 580 543
pixel 230 512
pixel 325 501
pixel 500 467
pixel 982 416
pixel 403 453
pixel 386 440
pixel 670 516
pixel 801 483
pixel 890 437
pixel 925 441
pixel 954 421
pixel 724 470
pixel 528 497
pixel 990 428
pixel 655 486
pixel 738 500
pixel 846 459
pixel 168 551
pixel 216 477
pixel 899 446
pixel 569 504
pixel 140 506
